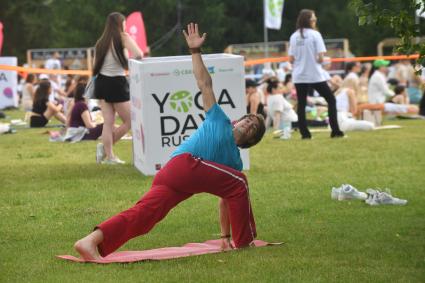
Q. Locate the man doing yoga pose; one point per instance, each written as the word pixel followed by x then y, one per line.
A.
pixel 208 162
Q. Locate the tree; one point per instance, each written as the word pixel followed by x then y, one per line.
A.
pixel 32 24
pixel 399 16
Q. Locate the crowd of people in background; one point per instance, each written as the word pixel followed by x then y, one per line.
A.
pixel 364 89
pixel 354 100
pixel 44 97
pixel 300 93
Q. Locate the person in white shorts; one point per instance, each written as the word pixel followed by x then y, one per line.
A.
pixel 346 104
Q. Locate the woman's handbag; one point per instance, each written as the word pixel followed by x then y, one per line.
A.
pixel 89 92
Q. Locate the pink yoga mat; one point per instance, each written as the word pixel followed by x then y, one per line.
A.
pixel 190 249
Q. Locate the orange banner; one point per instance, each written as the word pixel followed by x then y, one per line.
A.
pixel 45 71
pixel 247 63
pixel 369 58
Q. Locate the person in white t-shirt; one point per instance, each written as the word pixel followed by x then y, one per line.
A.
pixel 352 70
pixel 279 109
pixel 378 90
pixel 352 73
pixel 306 53
pixel 54 63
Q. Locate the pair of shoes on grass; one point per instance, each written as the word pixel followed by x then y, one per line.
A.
pixel 372 197
pixel 101 157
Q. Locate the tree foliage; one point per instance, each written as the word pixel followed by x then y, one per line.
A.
pixel 399 15
pixel 32 24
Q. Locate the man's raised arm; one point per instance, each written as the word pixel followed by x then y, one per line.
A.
pixel 203 78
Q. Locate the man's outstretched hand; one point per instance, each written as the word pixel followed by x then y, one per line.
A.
pixel 193 39
pixel 203 78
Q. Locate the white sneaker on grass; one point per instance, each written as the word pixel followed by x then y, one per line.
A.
pixel 335 192
pixel 119 161
pixel 371 195
pixel 285 137
pixel 113 161
pixel 100 153
pixel 349 192
pixel 376 197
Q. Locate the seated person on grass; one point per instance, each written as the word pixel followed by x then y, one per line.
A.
pixel 79 115
pixel 43 109
pixel 280 111
pixel 346 105
pixel 400 95
pixel 389 108
pixel 398 104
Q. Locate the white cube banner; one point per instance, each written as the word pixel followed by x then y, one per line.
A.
pixel 166 104
pixel 8 84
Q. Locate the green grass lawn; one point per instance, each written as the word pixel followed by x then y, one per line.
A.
pixel 53 194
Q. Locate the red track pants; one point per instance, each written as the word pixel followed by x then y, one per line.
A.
pixel 183 176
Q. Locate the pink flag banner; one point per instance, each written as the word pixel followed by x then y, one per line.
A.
pixel 1 36
pixel 136 28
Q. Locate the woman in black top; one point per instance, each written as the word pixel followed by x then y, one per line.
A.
pixel 43 109
pixel 111 86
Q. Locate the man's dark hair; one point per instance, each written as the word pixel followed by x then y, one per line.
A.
pixel 258 134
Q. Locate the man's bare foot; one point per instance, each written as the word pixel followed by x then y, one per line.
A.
pixel 226 244
pixel 87 248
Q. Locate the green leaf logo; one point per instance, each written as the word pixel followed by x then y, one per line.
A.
pixel 181 101
pixel 275 7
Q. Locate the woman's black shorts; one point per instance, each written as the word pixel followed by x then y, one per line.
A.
pixel 111 89
pixel 38 121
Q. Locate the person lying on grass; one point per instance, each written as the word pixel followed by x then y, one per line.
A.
pixel 208 162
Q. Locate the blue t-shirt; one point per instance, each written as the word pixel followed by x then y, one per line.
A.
pixel 213 141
